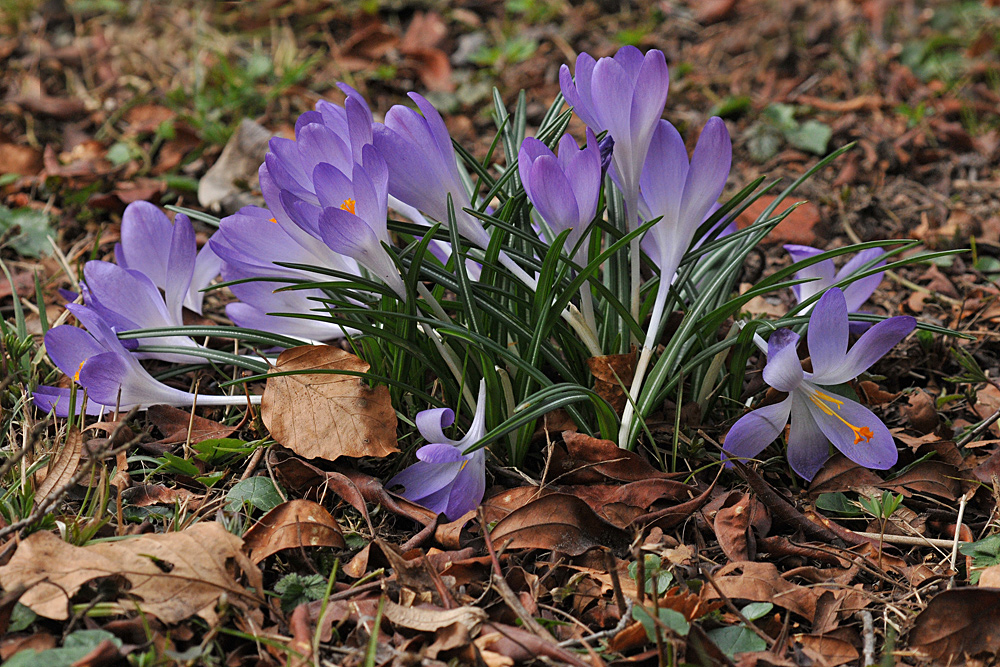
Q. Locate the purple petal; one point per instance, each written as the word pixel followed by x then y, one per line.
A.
pixel 611 89
pixel 821 272
pixel 440 452
pixel 757 429
pixel 318 144
pixel 531 150
pixel 808 448
pixel 827 334
pixel 146 233
pixel 348 234
pixel 431 424
pixel 478 427
pixel 664 174
pixel 552 194
pixel 783 370
pixel 631 60
pixel 49 399
pixel 102 376
pixel 129 293
pixel 468 488
pixel 854 430
pixel 860 290
pixel 69 347
pixel 333 187
pixel 423 482
pixel 206 268
pixel 871 347
pixel 706 177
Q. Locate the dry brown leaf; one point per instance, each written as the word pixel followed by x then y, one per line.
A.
pixel 63 466
pixel 222 188
pixel 827 650
pixel 587 460
pixel 157 494
pixel 174 423
pixel 558 522
pixel 956 623
pixel 290 525
pixel 610 373
pixel 172 575
pixel 761 582
pixel 431 619
pixel 325 415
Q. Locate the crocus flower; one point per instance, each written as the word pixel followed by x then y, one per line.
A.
pixel 564 189
pixel 166 253
pixel 624 95
pixel 445 480
pixel 99 363
pixel 824 275
pixel 423 169
pixel 818 416
pixel 249 242
pixel 353 216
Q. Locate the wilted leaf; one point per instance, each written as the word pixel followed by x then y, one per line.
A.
pixel 223 187
pixel 831 651
pixel 326 415
pixel 613 375
pixel 157 494
pixel 430 619
pixel 172 575
pixel 956 623
pixel 63 466
pixel 587 460
pixel 761 582
pixel 173 423
pixel 290 525
pixel 558 522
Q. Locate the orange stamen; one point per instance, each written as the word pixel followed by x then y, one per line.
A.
pixel 76 376
pixel 274 220
pixel 348 205
pixel 820 399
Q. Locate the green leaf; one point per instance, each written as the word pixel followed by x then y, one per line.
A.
pixel 76 646
pixel 259 492
pixel 838 503
pixel 782 116
pixel 33 239
pixel 985 552
pixel 670 618
pixel 736 639
pixel 756 610
pixel 763 143
pixel 119 154
pixel 296 589
pixel 20 618
pixel 656 578
pixel 812 136
pixel 175 464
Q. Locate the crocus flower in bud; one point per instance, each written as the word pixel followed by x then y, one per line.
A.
pixel 353 217
pixel 249 242
pixel 423 169
pixel 624 95
pixel 445 480
pixel 682 193
pixel 110 374
pixel 564 189
pixel 167 254
pixel 824 275
pixel 819 416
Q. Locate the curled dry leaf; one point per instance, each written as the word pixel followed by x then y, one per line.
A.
pixel 957 623
pixel 174 424
pixel 222 188
pixel 431 619
pixel 587 460
pixel 157 494
pixel 327 415
pixel 290 525
pixel 63 465
pixel 172 575
pixel 761 582
pixel 613 375
pixel 558 522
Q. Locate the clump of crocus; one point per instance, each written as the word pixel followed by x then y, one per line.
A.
pixel 445 479
pixel 819 416
pixel 111 375
pixel 823 275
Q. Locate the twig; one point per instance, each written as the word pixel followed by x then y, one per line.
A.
pixel 616 584
pixel 868 632
pixel 958 529
pixel 603 634
pixel 912 540
pixel 978 430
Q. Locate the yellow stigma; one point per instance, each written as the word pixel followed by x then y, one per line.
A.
pixel 348 205
pixel 76 376
pixel 274 220
pixel 464 463
pixel 820 399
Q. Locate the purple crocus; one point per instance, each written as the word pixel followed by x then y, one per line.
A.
pixel 564 190
pixel 352 220
pixel 110 374
pixel 423 169
pixel 624 95
pixel 250 242
pixel 823 275
pixel 818 416
pixel 167 254
pixel 445 480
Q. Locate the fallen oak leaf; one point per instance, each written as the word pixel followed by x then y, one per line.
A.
pixel 317 413
pixel 62 467
pixel 958 623
pixel 291 525
pixel 173 575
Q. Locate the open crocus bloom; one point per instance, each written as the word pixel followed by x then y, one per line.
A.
pixel 824 275
pixel 818 416
pixel 564 189
pixel 110 374
pixel 445 480
pixel 167 254
pixel 624 95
